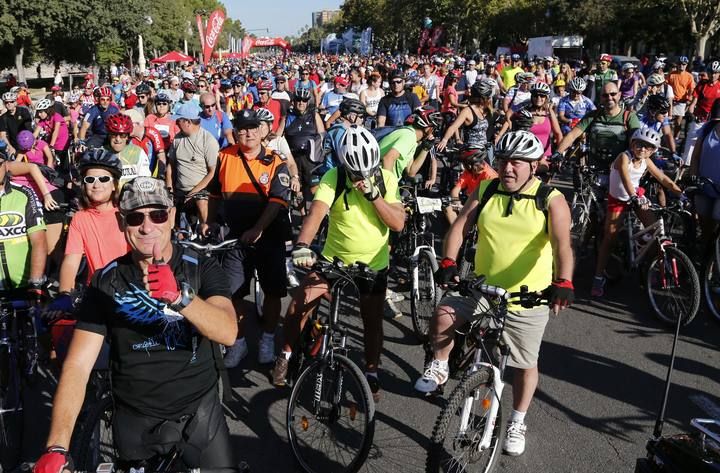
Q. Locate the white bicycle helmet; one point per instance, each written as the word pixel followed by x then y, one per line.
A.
pixel 577 84
pixel 44 104
pixel 359 152
pixel 715 66
pixel 656 79
pixel 265 115
pixel 540 88
pixel 9 97
pixel 627 66
pixel 648 135
pixel 521 144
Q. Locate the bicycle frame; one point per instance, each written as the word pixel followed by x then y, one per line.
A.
pixel 638 245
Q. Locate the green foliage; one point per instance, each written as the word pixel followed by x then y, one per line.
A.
pixel 77 30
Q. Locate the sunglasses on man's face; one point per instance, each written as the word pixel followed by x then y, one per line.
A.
pixel 135 219
pixel 208 105
pixel 90 180
pixel 398 81
pixel 607 96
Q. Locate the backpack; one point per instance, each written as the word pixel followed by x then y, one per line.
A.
pixel 190 273
pixel 540 198
pixel 341 188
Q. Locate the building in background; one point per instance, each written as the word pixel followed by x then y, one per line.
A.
pixel 323 17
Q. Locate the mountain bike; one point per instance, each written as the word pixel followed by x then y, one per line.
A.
pixel 331 412
pixel 670 279
pixel 416 247
pixel 468 431
pixel 587 207
pixel 217 249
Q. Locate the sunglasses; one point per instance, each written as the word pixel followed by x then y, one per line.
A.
pixel 164 104
pixel 398 81
pixel 607 96
pixel 90 180
pixel 135 219
pixel 302 100
pixel 123 136
pixel 8 102
pixel 142 96
pixel 208 105
pixel 644 145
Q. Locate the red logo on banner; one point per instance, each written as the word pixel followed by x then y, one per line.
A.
pixel 214 27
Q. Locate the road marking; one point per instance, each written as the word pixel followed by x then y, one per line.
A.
pixel 704 403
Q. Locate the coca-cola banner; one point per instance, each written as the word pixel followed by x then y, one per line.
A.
pixel 249 42
pixel 212 33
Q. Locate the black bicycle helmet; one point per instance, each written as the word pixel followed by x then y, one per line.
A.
pixel 522 120
pixel 658 104
pixel 349 105
pixel 101 158
pixel 142 88
pixel 302 94
pixel 482 88
pixel 472 154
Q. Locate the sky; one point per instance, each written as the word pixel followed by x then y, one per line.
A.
pixel 282 17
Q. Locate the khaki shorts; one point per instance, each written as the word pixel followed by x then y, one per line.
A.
pixel 678 109
pixel 523 332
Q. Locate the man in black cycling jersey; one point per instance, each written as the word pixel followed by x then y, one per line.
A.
pixel 163 309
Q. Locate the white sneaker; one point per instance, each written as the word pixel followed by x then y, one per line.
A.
pixel 514 444
pixel 434 376
pixel 392 296
pixel 235 353
pixel 266 350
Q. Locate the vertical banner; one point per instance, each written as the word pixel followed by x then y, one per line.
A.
pixel 214 27
pixel 201 31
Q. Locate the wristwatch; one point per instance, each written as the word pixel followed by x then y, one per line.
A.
pixel 187 294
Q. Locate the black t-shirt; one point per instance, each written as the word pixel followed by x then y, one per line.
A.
pixel 161 366
pixel 16 122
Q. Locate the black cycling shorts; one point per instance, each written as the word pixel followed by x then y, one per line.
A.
pixel 268 258
pixel 55 216
pixel 203 438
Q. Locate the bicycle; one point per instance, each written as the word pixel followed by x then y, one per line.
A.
pixel 416 247
pixel 216 249
pixel 587 207
pixel 669 274
pixel 20 359
pixel 331 408
pixel 468 433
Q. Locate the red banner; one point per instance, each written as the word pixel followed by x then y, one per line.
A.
pixel 249 42
pixel 201 31
pixel 212 34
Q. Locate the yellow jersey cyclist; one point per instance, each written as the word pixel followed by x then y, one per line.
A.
pixel 360 220
pixel 518 245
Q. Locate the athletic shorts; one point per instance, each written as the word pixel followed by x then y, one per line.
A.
pixel 207 442
pixel 55 216
pixel 616 205
pixel 268 258
pixel 678 109
pixel 523 332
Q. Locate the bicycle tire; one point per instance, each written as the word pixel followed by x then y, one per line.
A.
pixel 315 460
pixel 579 229
pixel 686 276
pixel 439 459
pixel 423 297
pixel 711 289
pixel 92 443
pixel 10 422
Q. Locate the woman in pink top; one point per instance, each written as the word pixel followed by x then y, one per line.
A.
pixel 94 230
pixel 161 119
pixel 51 125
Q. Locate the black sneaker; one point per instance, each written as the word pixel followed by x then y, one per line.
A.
pixel 374 384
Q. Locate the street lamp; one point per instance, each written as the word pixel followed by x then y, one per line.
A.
pixel 141 50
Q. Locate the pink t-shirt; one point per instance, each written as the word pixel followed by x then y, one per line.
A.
pixel 37 154
pixel 49 125
pixel 166 124
pixel 446 105
pixel 97 235
pixel 543 131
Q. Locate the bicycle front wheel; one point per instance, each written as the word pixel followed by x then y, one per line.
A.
pixel 93 442
pixel 455 447
pixel 711 288
pixel 331 417
pixel 423 296
pixel 673 287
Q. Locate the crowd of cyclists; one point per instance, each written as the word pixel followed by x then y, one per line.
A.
pixel 95 180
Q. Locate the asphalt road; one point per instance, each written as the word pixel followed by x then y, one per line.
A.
pixel 602 365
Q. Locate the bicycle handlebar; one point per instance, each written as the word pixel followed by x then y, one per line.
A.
pixel 526 298
pixel 338 268
pixel 210 248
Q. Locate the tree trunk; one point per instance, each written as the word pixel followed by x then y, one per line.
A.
pixel 19 53
pixel 131 51
pixel 700 44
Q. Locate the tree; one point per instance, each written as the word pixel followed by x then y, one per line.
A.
pixel 704 17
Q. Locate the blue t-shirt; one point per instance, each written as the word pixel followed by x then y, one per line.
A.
pixel 397 109
pixel 331 101
pixel 252 89
pixel 217 126
pixel 96 118
pixel 574 110
pixel 117 92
